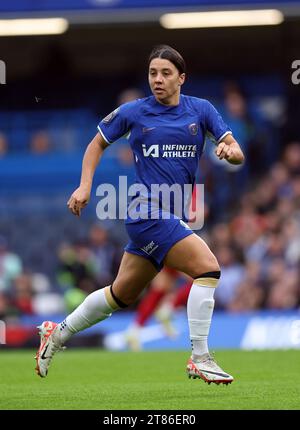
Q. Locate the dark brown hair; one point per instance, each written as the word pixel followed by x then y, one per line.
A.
pixel 168 53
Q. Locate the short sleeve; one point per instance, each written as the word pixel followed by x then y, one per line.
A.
pixel 215 124
pixel 117 123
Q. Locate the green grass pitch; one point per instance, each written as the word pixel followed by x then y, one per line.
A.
pixel 96 379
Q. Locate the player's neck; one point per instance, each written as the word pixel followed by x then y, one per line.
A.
pixel 174 100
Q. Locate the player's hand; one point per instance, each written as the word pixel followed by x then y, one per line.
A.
pixel 78 200
pixel 225 151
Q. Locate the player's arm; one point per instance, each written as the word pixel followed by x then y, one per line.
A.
pixel 80 197
pixel 230 150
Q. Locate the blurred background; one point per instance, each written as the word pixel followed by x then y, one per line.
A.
pixel 54 90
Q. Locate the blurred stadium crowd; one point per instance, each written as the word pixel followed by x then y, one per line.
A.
pixel 48 264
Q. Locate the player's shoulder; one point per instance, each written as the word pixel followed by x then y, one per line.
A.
pixel 134 106
pixel 197 104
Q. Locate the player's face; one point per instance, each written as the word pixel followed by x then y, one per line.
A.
pixel 165 81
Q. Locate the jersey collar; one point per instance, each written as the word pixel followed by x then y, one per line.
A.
pixel 160 108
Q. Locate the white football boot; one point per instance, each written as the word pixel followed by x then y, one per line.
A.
pixel 49 345
pixel 207 369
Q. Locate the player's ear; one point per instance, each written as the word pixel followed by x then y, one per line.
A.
pixel 181 79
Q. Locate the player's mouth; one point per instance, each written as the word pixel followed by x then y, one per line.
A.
pixel 158 90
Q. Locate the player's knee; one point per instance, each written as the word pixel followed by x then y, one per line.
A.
pixel 209 265
pixel 212 264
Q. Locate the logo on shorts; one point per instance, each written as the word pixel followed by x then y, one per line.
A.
pixel 111 116
pixel 193 128
pixel 151 247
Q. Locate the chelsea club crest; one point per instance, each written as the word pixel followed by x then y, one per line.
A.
pixel 193 128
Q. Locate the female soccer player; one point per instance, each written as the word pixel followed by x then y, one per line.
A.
pixel 167 133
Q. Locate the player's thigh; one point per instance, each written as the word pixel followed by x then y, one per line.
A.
pixel 164 280
pixel 192 256
pixel 135 273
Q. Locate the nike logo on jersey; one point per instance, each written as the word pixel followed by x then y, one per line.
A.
pixel 43 357
pixel 146 129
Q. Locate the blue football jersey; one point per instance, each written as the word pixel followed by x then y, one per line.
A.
pixel 167 142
